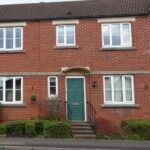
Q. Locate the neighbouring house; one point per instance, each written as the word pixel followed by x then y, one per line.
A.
pixel 94 55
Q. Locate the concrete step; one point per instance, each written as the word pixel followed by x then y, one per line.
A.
pixel 81 128
pixel 83 132
pixel 79 124
pixel 84 136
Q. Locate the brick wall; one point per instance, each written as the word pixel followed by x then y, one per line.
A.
pixel 41 56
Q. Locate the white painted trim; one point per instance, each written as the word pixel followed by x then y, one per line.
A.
pixel 56 78
pixel 64 22
pixel 13 24
pixel 123 90
pixel 116 19
pixel 65 36
pixel 14 90
pixel 84 80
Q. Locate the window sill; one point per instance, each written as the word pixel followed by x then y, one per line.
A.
pixel 120 105
pixel 67 47
pixel 13 105
pixel 118 49
pixel 11 51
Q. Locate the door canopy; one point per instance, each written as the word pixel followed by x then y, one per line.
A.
pixel 75 70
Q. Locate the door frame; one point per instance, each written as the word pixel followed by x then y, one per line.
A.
pixel 84 84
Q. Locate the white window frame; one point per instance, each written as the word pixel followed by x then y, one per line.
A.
pixel 14 39
pixel 113 102
pixel 65 36
pixel 121 35
pixel 56 79
pixel 14 89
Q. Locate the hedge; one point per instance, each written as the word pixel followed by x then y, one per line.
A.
pixel 30 130
pixel 57 130
pixel 2 129
pixel 33 128
pixel 16 128
pixel 137 127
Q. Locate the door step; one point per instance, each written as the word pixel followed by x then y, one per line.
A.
pixel 82 130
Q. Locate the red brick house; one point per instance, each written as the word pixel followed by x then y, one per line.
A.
pixel 88 53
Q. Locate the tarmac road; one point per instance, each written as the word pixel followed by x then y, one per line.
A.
pixel 71 144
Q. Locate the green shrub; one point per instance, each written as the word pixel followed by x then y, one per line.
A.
pixel 16 128
pixel 57 129
pixel 140 128
pixel 2 129
pixel 39 127
pixel 30 130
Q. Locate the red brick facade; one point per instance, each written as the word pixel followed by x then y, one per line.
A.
pixel 40 59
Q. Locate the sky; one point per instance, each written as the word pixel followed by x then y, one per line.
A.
pixel 27 1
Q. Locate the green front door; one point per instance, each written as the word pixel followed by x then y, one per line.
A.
pixel 75 98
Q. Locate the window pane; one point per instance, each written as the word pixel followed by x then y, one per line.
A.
pixel 70 39
pixel 1 95
pixel 118 95
pixel 108 95
pixel 1 84
pixel 1 38
pixel 18 83
pixel 18 33
pixel 70 34
pixel 126 34
pixel 18 95
pixel 9 33
pixel 107 82
pixel 1 43
pixel 9 83
pixel 106 34
pixel 9 95
pixel 60 31
pixel 1 33
pixel 52 90
pixel 128 88
pixel 108 91
pixel 116 40
pixel 128 95
pixel 18 43
pixel 52 81
pixel 128 83
pixel 9 43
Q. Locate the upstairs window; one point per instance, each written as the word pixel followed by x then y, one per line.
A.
pixel 11 38
pixel 52 86
pixel 116 35
pixel 118 89
pixel 65 35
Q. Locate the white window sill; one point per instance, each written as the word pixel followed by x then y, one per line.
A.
pixel 120 105
pixel 118 49
pixel 13 105
pixel 67 47
pixel 11 51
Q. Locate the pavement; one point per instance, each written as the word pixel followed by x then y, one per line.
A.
pixel 71 144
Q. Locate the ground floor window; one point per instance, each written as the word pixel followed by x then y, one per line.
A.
pixel 118 89
pixel 11 90
pixel 52 86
